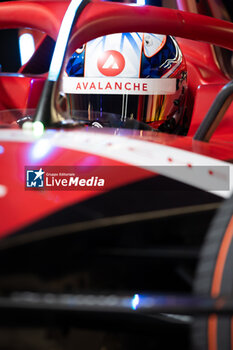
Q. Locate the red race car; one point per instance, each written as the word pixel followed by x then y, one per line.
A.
pixel 116 152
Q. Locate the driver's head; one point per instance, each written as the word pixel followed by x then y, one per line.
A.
pixel 132 75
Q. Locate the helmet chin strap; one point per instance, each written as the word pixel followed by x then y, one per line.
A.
pixel 46 112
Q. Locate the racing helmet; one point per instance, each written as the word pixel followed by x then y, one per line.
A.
pixel 128 76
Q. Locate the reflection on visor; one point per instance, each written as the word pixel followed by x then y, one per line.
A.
pixel 155 109
pixel 142 108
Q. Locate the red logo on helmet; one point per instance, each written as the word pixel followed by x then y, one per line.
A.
pixel 111 63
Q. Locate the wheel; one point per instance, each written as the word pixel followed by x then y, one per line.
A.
pixel 214 277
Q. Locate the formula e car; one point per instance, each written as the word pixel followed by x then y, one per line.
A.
pixel 109 182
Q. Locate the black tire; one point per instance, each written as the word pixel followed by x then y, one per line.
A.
pixel 214 277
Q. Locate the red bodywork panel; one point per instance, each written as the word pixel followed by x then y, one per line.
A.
pixel 28 206
pixel 19 91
